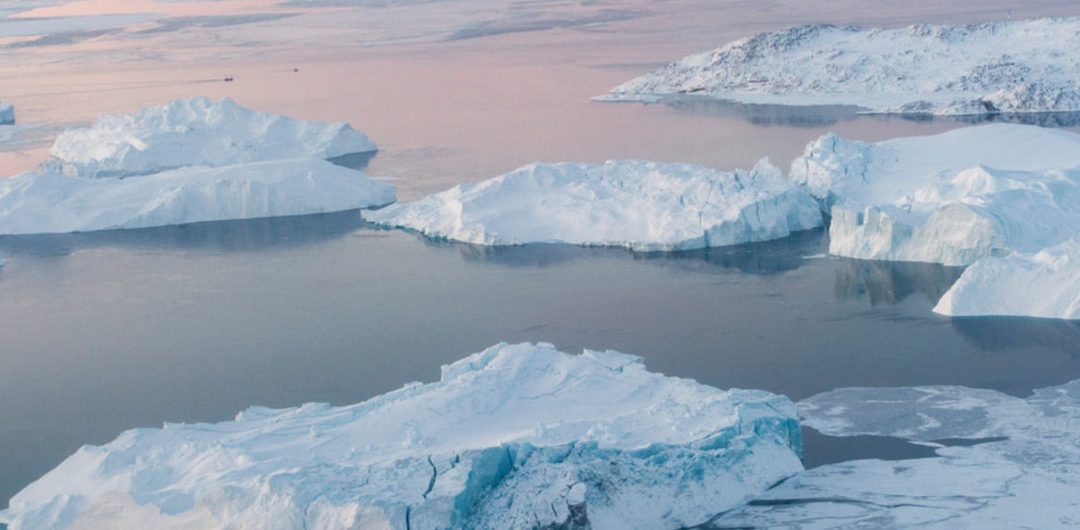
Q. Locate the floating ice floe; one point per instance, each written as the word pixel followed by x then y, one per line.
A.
pixel 51 202
pixel 636 204
pixel 951 198
pixel 988 68
pixel 1004 462
pixel 7 113
pixel 1045 284
pixel 517 436
pixel 197 131
pixel 189 161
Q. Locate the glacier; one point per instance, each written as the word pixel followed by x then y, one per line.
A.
pixel 7 113
pixel 196 131
pixel 1045 284
pixel 1002 462
pixel 52 202
pixel 641 205
pixel 951 198
pixel 970 69
pixel 516 436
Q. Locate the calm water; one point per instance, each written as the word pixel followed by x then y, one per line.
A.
pixel 105 332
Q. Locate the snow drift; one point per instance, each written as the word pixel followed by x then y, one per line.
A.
pixel 197 131
pixel 517 436
pixel 951 198
pixel 970 69
pixel 1003 462
pixel 1045 284
pixel 635 204
pixel 51 202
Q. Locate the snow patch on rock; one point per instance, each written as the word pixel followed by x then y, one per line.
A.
pixel 640 205
pixel 970 69
pixel 517 436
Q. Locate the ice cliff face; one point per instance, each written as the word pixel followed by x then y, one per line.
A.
pixel 7 113
pixel 197 131
pixel 995 67
pixel 50 202
pixel 517 436
pixel 634 204
pixel 1003 462
pixel 951 198
pixel 1045 284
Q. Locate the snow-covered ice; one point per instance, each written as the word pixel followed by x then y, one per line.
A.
pixel 1003 462
pixel 636 204
pixel 950 198
pixel 517 436
pixel 986 68
pixel 51 202
pixel 197 131
pixel 1045 284
pixel 7 113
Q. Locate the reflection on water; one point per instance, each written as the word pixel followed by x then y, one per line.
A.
pixel 889 282
pixel 997 334
pixel 1042 119
pixel 765 114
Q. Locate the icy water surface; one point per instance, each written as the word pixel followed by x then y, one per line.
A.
pixel 104 332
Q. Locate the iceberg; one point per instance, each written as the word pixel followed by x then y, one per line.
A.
pixel 52 202
pixel 7 113
pixel 645 206
pixel 970 69
pixel 1045 284
pixel 516 436
pixel 1003 462
pixel 951 198
pixel 196 131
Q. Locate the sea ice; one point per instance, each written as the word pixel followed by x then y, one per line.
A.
pixel 986 68
pixel 51 202
pixel 950 198
pixel 1004 462
pixel 636 204
pixel 517 436
pixel 1045 284
pixel 197 132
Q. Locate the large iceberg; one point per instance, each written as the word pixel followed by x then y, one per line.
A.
pixel 987 68
pixel 190 161
pixel 197 131
pixel 517 436
pixel 7 113
pixel 636 204
pixel 51 202
pixel 1003 462
pixel 1045 284
pixel 950 198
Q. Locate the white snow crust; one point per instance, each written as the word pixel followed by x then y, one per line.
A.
pixel 635 204
pixel 970 69
pixel 516 436
pixel 197 131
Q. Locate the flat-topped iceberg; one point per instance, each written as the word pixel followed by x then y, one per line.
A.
pixel 635 204
pixel 994 67
pixel 51 202
pixel 7 113
pixel 1003 462
pixel 517 436
pixel 197 131
pixel 950 198
pixel 1045 284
